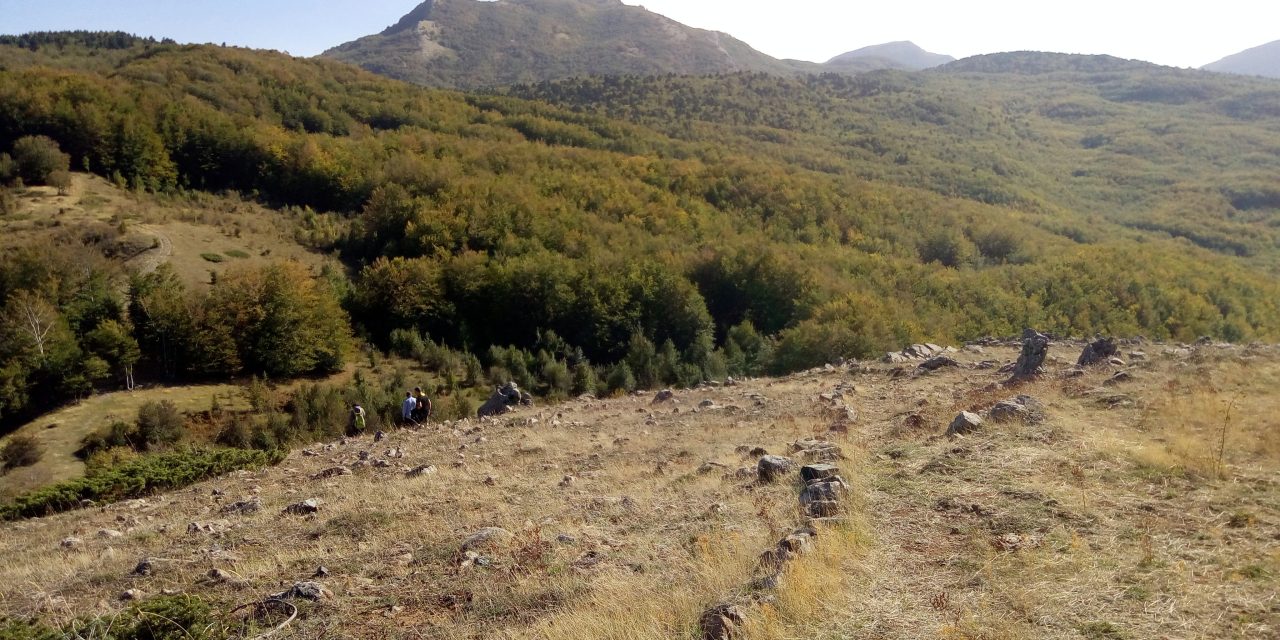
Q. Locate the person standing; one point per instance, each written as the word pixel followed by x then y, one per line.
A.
pixel 357 417
pixel 408 408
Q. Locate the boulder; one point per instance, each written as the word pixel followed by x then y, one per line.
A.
pixel 501 401
pixel 1098 351
pixel 964 423
pixel 1020 409
pixel 824 491
pixel 666 395
pixel 770 468
pixel 71 543
pixel 1035 348
pixel 822 509
pixel 143 568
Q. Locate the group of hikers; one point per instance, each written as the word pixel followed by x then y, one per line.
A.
pixel 415 410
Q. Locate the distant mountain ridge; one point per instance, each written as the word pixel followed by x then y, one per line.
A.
pixel 1262 60
pixel 473 44
pixel 902 55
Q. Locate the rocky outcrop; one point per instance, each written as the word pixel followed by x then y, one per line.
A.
pixel 916 352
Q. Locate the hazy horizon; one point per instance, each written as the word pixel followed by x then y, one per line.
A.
pixel 813 30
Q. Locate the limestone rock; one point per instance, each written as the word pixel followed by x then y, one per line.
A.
pixel 665 395
pixel 333 472
pixel 964 423
pixel 71 543
pixel 313 591
pixel 938 362
pixel 721 621
pixel 419 471
pixel 817 472
pixel 243 507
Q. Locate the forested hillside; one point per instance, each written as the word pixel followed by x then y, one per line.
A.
pixel 649 231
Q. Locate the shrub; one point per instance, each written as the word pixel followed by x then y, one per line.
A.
pixel 213 257
pixel 20 451
pixel 37 157
pixel 140 477
pixel 159 423
pixel 166 617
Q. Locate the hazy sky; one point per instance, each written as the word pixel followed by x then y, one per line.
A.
pixel 1171 32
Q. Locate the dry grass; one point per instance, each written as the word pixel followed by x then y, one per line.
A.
pixel 1062 529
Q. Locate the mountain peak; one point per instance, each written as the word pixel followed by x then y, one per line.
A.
pixel 902 54
pixel 411 20
pixel 1262 60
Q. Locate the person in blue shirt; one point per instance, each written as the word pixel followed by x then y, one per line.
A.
pixel 408 408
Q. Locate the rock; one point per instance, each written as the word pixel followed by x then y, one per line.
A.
pixel 1116 361
pixel 721 621
pixel 333 472
pixel 321 572
pixel 1020 409
pixel 938 362
pixel 757 452
pixel 665 395
pixel 143 568
pixel 214 526
pixel 491 481
pixel 1097 352
pixel 707 404
pixel 824 491
pixel 567 480
pixel 816 472
pixel 109 533
pixel 243 507
pixel 1035 347
pixel 487 538
pixel 1119 377
pixel 819 450
pixel 310 505
pixel 770 468
pixel 964 423
pixel 501 401
pixel 313 591
pixel 131 595
pixel 71 543
pixel 1137 356
pixel 419 471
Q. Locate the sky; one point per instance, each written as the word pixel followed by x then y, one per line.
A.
pixel 1171 32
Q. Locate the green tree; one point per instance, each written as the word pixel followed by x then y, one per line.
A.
pixel 37 157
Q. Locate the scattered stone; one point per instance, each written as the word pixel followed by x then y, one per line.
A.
pixel 321 572
pixel 757 452
pixel 1035 347
pixel 109 533
pixel 1097 352
pixel 131 595
pixel 938 362
pixel 310 505
pixel 490 481
pixel 243 507
pixel 423 470
pixel 710 467
pixel 770 468
pixel 1020 409
pixel 143 568
pixel 214 526
pixel 395 453
pixel 71 543
pixel 333 472
pixel 964 423
pixel 663 396
pixel 824 491
pixel 566 481
pixel 1119 377
pixel 379 436
pixel 822 509
pixel 487 538
pixel 565 538
pixel 313 591
pixel 1137 356
pixel 707 404
pixel 1116 362
pixel 913 421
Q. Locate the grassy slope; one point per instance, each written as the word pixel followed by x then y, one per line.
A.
pixel 1099 522
pixel 182 230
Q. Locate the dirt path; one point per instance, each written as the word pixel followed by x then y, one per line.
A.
pixel 151 259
